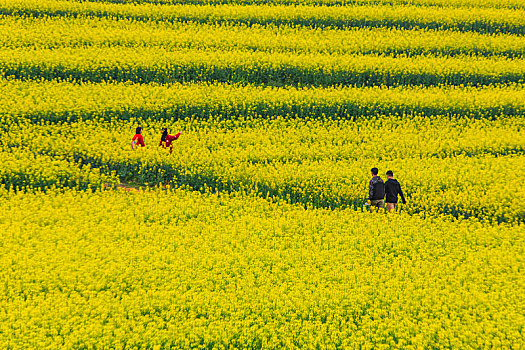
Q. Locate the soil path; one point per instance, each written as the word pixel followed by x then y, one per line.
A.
pixel 127 187
pixel 131 187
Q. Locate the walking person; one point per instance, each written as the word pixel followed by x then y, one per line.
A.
pixel 376 190
pixel 137 140
pixel 166 140
pixel 392 190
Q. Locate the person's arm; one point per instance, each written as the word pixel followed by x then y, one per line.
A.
pixel 401 194
pixel 370 190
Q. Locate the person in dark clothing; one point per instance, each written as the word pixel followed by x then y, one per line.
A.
pixel 392 190
pixel 376 190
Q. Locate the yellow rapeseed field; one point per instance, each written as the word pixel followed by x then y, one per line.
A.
pixel 254 232
pixel 183 270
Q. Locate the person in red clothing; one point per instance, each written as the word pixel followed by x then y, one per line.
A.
pixel 137 140
pixel 166 140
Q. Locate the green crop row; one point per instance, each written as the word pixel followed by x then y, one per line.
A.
pixel 62 101
pixel 441 162
pixel 24 32
pixel 512 4
pixel 166 66
pixel 483 20
pixel 28 171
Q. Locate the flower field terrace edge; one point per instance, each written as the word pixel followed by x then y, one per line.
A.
pixel 483 20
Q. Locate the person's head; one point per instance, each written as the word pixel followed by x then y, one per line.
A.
pixel 389 174
pixel 164 134
pixel 374 171
pixel 139 130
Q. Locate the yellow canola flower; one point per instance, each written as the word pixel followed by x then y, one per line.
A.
pixel 55 101
pixel 253 234
pixel 167 66
pixel 441 162
pixel 492 16
pixel 189 269
pixel 55 32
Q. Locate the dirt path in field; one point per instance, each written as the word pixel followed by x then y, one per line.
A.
pixel 130 187
pixel 127 188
